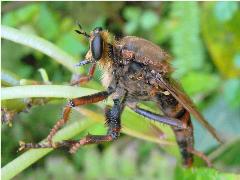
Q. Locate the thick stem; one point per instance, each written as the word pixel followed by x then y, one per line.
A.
pixel 26 159
pixel 39 44
pixel 57 91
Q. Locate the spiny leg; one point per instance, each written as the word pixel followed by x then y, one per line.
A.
pixel 65 117
pixel 86 78
pixel 72 144
pixel 112 121
pixel 183 130
pixel 76 102
pixel 114 126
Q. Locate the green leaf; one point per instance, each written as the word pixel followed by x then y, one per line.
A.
pixel 161 32
pixel 132 13
pixel 26 159
pixel 22 15
pixel 128 163
pixel 130 27
pixel 40 44
pixel 92 162
pixel 232 92
pixel 47 24
pixel 225 120
pixel 110 158
pixel 149 19
pixel 186 43
pixel 12 60
pixel 237 60
pixel 202 173
pixel 71 44
pixel 224 11
pixel 197 82
pixel 222 40
pixel 60 168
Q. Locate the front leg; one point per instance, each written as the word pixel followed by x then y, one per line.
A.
pixel 85 78
pixel 114 127
pixel 65 117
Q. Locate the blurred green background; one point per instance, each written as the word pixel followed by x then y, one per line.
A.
pixel 202 37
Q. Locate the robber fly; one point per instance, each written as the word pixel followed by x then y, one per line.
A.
pixel 135 70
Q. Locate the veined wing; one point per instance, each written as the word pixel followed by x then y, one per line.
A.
pixel 175 90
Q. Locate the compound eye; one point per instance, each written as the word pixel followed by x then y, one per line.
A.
pixel 97 47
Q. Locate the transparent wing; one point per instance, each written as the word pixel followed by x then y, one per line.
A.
pixel 175 90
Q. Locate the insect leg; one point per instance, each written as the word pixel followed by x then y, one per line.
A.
pixel 85 79
pixel 81 31
pixel 65 117
pixel 201 155
pixel 73 103
pixel 184 137
pixel 157 117
pixel 114 127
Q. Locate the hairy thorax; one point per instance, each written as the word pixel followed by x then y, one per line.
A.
pixel 133 79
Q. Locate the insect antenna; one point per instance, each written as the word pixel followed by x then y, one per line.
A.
pixel 81 31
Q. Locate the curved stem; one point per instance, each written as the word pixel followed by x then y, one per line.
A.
pixel 29 157
pixel 132 126
pixel 40 44
pixel 58 91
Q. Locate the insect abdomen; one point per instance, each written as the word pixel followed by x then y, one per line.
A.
pixel 185 139
pixel 172 108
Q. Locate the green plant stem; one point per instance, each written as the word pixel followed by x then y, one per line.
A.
pixel 26 159
pixel 8 78
pixel 58 91
pixel 217 153
pixel 40 44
